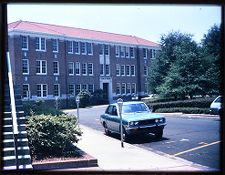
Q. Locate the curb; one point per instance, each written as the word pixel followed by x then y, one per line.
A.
pixel 193 116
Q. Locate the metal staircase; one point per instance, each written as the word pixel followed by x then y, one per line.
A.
pixel 15 152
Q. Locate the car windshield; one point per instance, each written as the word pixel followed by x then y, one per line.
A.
pixel 218 100
pixel 131 108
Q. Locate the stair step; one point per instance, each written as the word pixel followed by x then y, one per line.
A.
pixel 28 166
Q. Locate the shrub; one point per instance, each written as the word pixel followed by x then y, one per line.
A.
pixel 84 98
pixel 52 135
pixel 38 108
pixel 185 110
pixel 197 103
pixel 98 97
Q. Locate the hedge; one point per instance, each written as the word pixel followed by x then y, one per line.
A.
pixel 194 103
pixel 52 136
pixel 186 110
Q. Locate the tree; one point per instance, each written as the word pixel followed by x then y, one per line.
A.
pixel 174 72
pixel 210 55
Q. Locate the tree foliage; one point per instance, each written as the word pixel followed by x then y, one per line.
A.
pixel 183 68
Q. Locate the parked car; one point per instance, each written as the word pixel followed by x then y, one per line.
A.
pixel 137 118
pixel 216 105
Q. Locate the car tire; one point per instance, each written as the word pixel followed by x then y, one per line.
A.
pixel 159 134
pixel 107 132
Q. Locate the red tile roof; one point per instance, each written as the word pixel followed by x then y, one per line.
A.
pixel 78 33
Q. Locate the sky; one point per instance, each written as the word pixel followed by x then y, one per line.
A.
pixel 143 20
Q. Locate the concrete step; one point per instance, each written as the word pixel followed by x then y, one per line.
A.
pixel 10 151
pixel 9 135
pixel 9 128
pixel 22 160
pixel 28 166
pixel 9 143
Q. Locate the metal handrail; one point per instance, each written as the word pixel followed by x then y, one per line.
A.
pixel 13 106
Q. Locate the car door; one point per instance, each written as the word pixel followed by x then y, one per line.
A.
pixel 108 117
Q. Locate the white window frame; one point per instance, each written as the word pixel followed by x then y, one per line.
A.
pixel 41 67
pixel 92 87
pixel 27 63
pixel 26 42
pixel 118 86
pixel 128 88
pixel 71 86
pixel 55 41
pixel 57 68
pixel 123 84
pixel 85 48
pixel 70 47
pixel 133 84
pixel 92 69
pixel 27 92
pixel 117 51
pixel 42 90
pixel 132 74
pixel 91 47
pixel 123 71
pixel 57 90
pixel 127 52
pixel 122 50
pixel 117 70
pixel 145 71
pixel 77 85
pixel 106 49
pixel 85 87
pixel 84 69
pixel 77 68
pixel 78 47
pixel 72 63
pixel 39 44
pixel 128 70
pixel 132 48
pixel 101 49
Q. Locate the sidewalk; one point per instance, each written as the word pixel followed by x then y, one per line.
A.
pixel 112 157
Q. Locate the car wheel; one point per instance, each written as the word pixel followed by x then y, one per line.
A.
pixel 159 134
pixel 107 132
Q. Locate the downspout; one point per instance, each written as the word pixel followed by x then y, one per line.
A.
pixel 138 73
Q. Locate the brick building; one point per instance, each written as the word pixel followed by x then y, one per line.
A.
pixel 50 61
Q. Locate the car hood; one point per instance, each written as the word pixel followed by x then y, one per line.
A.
pixel 140 116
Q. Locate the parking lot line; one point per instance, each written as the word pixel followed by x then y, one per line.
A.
pixel 196 148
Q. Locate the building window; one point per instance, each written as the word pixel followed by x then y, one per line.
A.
pixel 71 68
pixel 26 91
pixel 101 49
pixel 83 48
pixel 78 88
pixel 55 68
pixel 128 88
pixel 150 53
pixel 117 70
pixel 56 92
pixel 107 70
pixel 84 87
pixel 71 89
pixel 70 47
pixel 77 68
pixel 145 53
pixel 24 42
pixel 77 47
pixel 154 53
pixel 25 66
pixel 132 70
pixel 41 67
pixel 145 70
pixel 90 48
pixel 118 89
pixel 84 68
pixel 122 51
pixel 123 88
pixel 101 69
pixel 42 90
pixel 106 49
pixel 133 88
pixel 122 70
pixel 127 52
pixel 90 69
pixel 55 45
pixel 127 70
pixel 40 44
pixel 132 52
pixel 117 51
pixel 91 88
